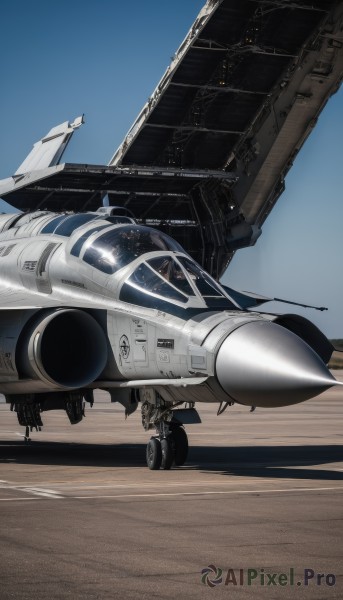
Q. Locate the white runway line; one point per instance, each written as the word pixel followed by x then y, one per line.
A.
pixel 41 494
pixel 30 490
pixel 16 499
pixel 229 492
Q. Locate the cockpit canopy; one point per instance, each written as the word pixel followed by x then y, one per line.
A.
pixel 175 278
pixel 169 277
pixel 118 247
pixel 66 224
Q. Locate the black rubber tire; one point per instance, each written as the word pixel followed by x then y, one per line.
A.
pixel 180 440
pixel 167 447
pixel 154 454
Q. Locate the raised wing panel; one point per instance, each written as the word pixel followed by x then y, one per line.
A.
pixel 242 94
pixel 206 158
pixel 234 54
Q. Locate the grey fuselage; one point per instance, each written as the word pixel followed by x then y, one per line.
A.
pixel 97 301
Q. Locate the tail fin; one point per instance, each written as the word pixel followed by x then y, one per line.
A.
pixel 48 151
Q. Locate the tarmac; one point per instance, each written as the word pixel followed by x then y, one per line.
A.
pixel 255 513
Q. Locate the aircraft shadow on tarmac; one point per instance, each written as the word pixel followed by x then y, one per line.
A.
pixel 280 462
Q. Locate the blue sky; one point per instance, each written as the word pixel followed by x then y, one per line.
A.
pixel 104 58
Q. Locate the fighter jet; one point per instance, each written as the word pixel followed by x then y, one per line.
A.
pixel 94 300
pixel 99 299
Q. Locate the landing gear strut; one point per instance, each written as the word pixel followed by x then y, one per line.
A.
pixel 170 444
pixel 29 407
pixel 27 438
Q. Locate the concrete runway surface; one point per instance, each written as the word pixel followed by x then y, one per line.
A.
pixel 260 501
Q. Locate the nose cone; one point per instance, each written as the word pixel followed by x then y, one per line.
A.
pixel 263 364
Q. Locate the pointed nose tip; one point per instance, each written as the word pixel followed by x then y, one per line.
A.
pixel 263 364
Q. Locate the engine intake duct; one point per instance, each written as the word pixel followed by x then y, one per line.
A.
pixel 64 347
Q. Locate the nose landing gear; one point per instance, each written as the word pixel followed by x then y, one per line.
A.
pixel 163 452
pixel 170 444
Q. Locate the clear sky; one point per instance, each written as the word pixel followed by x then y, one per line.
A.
pixel 104 58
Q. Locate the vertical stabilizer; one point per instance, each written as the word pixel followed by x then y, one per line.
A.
pixel 48 151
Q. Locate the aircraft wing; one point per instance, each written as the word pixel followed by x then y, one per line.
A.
pixel 206 159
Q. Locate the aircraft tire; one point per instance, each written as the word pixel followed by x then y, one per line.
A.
pixel 154 454
pixel 167 453
pixel 180 440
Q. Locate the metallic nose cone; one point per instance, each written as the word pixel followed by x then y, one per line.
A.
pixel 263 364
